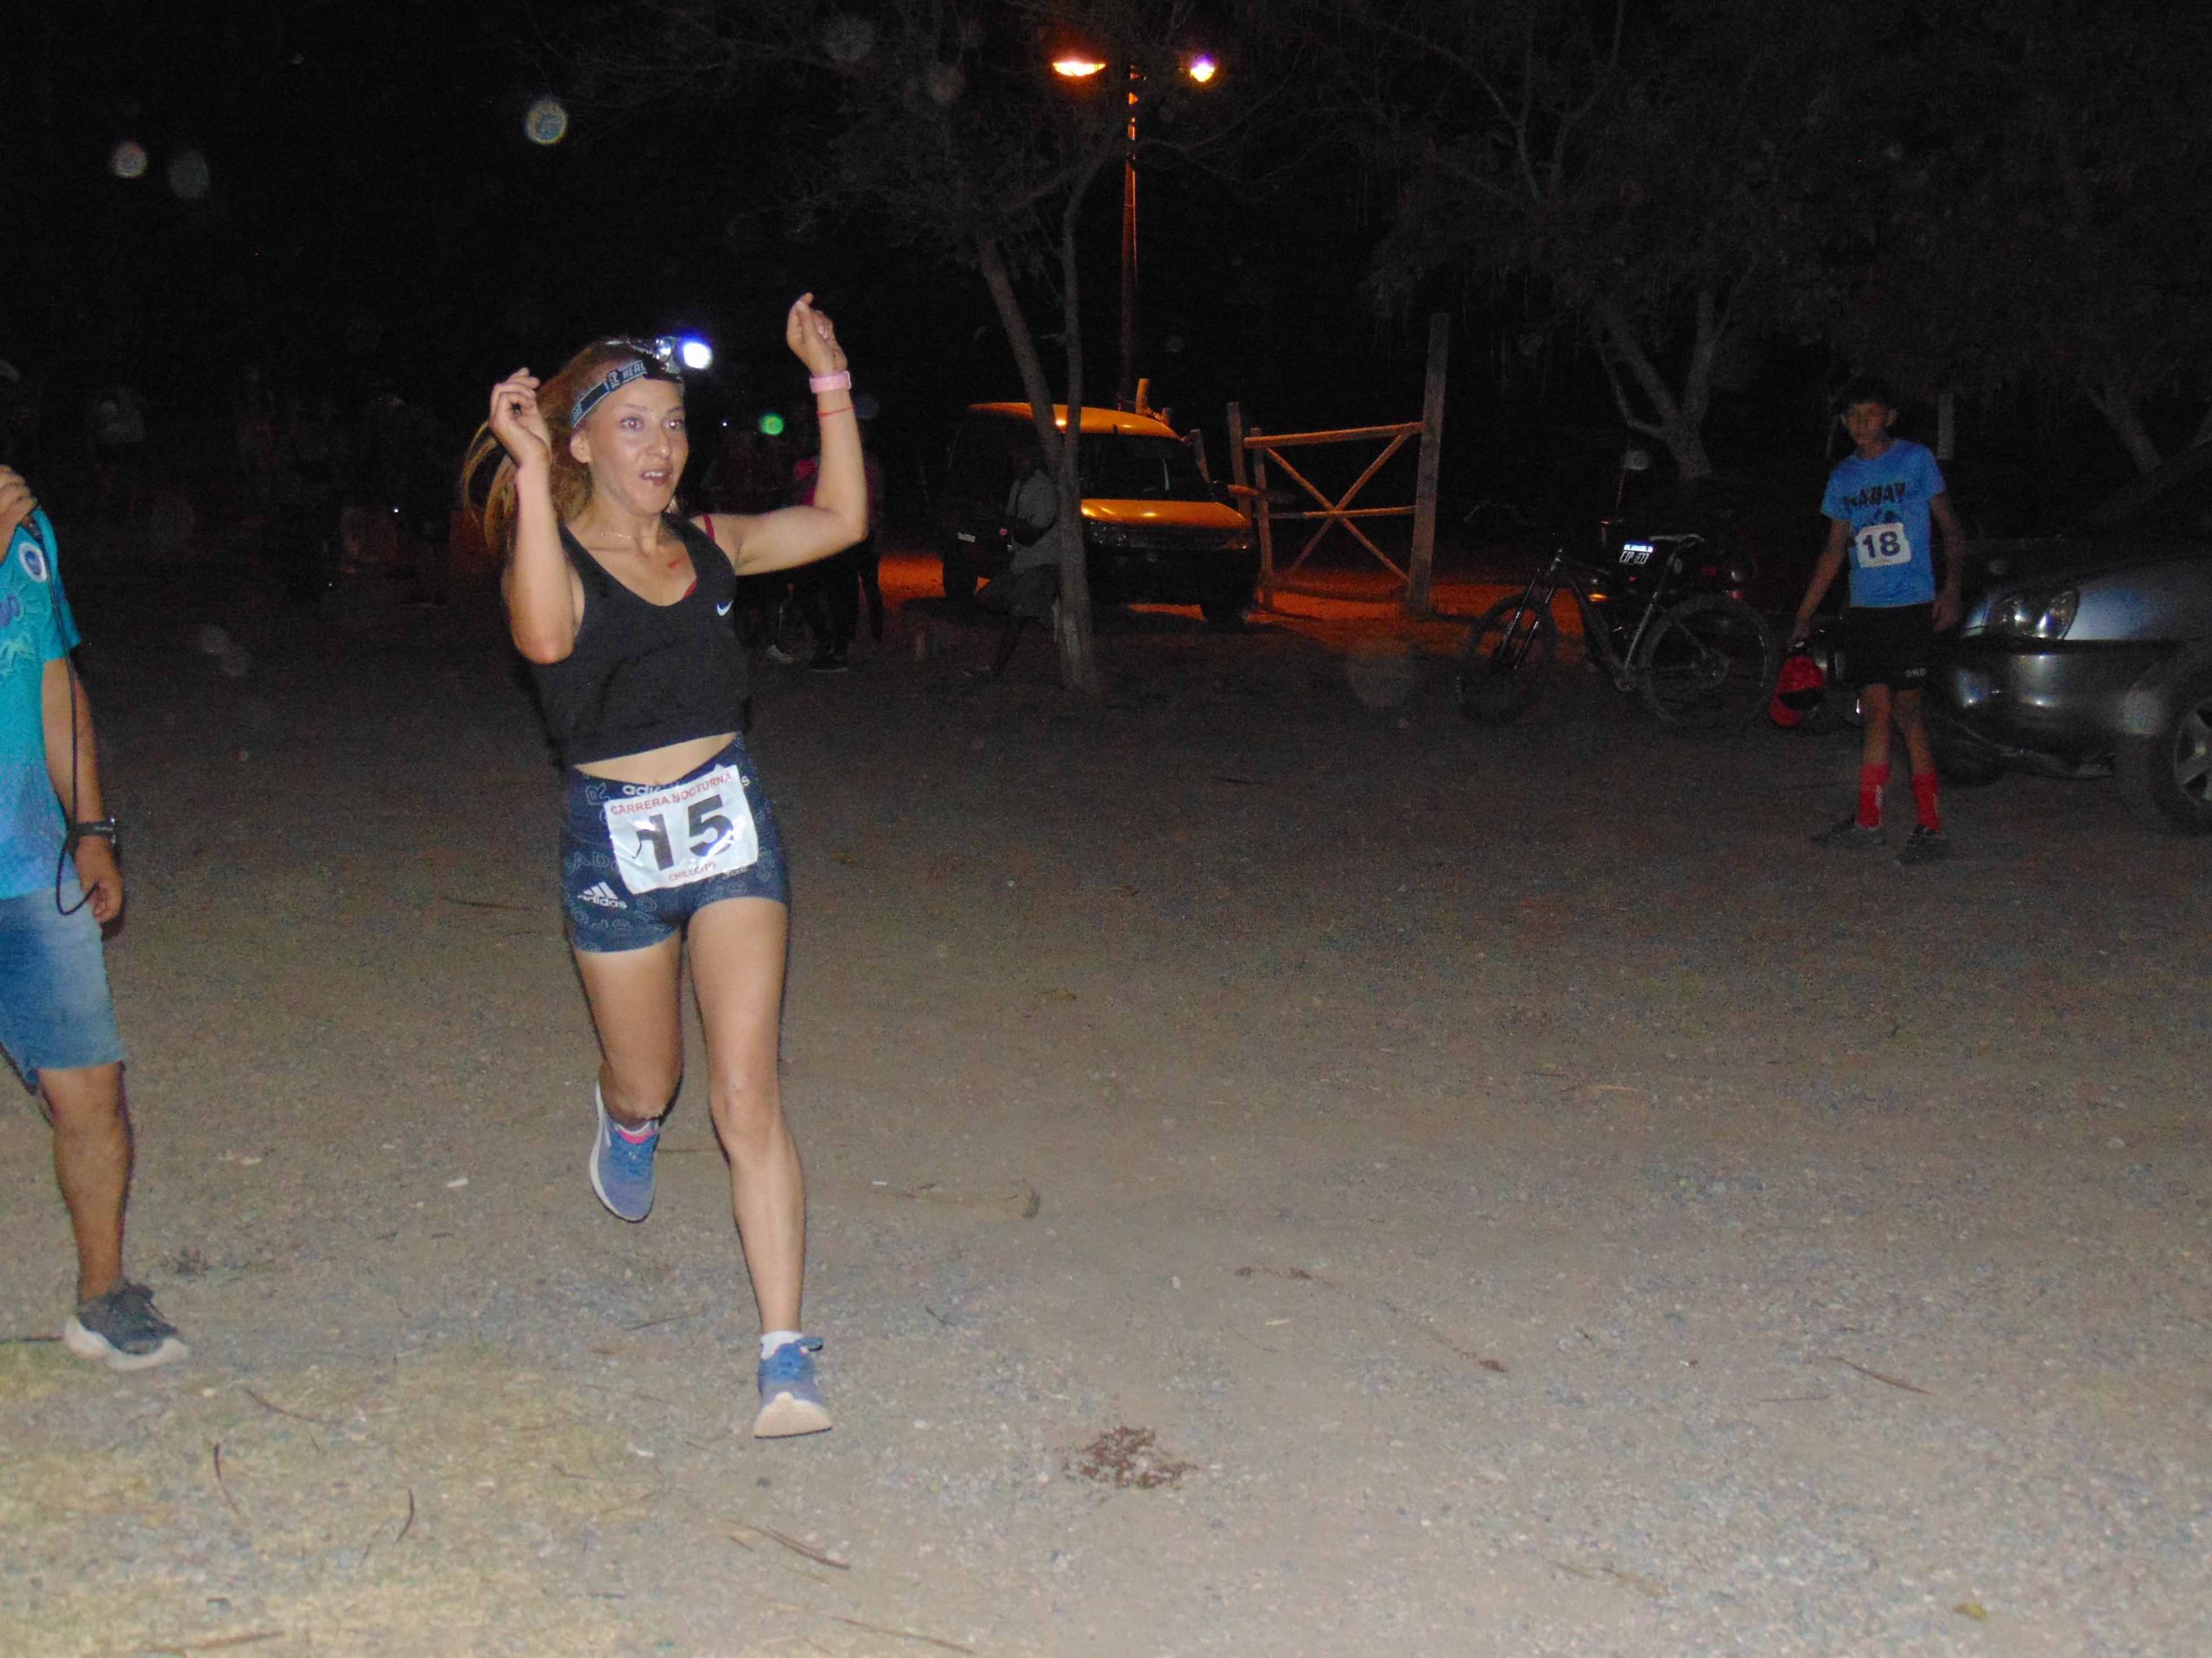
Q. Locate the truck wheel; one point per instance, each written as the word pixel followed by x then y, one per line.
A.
pixel 2166 769
pixel 1224 615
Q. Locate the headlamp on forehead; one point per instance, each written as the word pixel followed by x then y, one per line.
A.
pixel 662 358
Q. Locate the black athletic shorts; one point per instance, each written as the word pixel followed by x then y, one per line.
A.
pixel 1890 644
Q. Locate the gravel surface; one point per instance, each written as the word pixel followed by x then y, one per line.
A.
pixel 1288 1175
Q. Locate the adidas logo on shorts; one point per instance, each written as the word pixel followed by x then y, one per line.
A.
pixel 603 895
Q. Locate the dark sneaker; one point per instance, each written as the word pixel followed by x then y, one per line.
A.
pixel 1849 835
pixel 122 1330
pixel 1926 846
pixel 828 662
pixel 791 1403
pixel 622 1168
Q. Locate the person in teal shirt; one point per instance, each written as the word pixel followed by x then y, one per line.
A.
pixel 60 885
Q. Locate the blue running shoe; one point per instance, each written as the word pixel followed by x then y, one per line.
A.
pixel 791 1403
pixel 622 1168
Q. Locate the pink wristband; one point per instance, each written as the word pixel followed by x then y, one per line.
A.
pixel 841 381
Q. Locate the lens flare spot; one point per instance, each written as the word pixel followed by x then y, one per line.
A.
pixel 127 160
pixel 771 424
pixel 847 39
pixel 546 121
pixel 188 174
pixel 946 81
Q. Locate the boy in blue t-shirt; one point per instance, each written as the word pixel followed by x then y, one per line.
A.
pixel 1880 504
pixel 57 1022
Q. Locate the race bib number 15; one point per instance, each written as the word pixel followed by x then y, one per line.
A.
pixel 1881 544
pixel 686 832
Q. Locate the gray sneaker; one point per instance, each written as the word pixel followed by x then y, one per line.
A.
pixel 123 1331
pixel 1926 846
pixel 1849 835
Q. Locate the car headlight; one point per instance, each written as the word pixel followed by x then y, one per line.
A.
pixel 2036 615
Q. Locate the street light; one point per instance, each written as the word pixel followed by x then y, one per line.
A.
pixel 1200 69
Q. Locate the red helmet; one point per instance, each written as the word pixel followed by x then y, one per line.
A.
pixel 1797 690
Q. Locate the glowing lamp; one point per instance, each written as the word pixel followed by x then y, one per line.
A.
pixel 695 354
pixel 1202 69
pixel 1075 68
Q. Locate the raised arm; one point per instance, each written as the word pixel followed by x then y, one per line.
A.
pixel 544 598
pixel 838 516
pixel 17 502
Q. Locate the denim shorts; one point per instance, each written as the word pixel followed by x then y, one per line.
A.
pixel 606 910
pixel 55 1011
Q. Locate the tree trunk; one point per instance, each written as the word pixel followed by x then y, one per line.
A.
pixel 1078 664
pixel 1072 632
pixel 2118 407
pixel 1678 423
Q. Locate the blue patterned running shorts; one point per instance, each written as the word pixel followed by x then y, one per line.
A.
pixel 638 861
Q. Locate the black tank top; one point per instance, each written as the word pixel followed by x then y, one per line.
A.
pixel 642 676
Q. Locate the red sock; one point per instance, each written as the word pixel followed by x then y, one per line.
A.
pixel 1923 797
pixel 1870 779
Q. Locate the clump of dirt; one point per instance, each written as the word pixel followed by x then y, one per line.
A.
pixel 1123 1457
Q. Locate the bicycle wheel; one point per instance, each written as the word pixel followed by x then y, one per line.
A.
pixel 1710 661
pixel 1504 659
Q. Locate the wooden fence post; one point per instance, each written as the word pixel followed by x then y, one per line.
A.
pixel 1240 476
pixel 1432 455
pixel 1263 523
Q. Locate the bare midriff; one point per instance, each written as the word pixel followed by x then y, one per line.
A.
pixel 658 765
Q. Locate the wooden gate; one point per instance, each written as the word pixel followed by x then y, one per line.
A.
pixel 1251 452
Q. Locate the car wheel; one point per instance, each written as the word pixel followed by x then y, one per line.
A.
pixel 959 580
pixel 2165 771
pixel 1224 614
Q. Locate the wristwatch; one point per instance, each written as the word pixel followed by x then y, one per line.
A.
pixel 100 828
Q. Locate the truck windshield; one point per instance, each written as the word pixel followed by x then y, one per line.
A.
pixel 1119 467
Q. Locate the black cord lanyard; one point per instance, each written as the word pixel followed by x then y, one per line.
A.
pixel 69 830
pixel 39 526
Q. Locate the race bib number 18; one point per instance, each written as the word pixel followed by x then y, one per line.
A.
pixel 686 832
pixel 1881 544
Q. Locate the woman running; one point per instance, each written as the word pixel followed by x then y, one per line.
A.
pixel 622 608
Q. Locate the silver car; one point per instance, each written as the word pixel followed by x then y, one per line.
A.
pixel 2089 653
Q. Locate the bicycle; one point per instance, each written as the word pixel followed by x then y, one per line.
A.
pixel 1706 660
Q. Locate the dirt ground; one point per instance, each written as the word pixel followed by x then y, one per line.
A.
pixel 1288 1176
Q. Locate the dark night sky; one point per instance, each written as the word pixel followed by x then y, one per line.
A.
pixel 375 217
